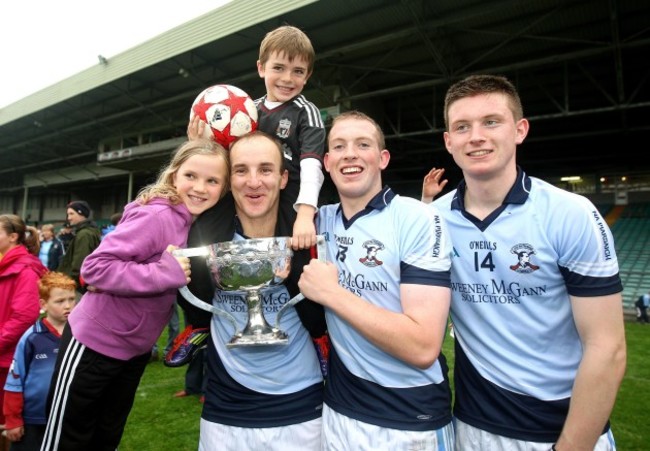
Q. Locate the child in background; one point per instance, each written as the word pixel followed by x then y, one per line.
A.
pixel 133 279
pixel 286 61
pixel 31 370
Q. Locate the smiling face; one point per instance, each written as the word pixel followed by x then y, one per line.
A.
pixel 284 78
pixel 200 181
pixel 257 176
pixel 483 135
pixel 355 160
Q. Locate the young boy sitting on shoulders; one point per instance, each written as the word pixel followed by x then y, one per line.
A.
pixel 29 377
pixel 286 61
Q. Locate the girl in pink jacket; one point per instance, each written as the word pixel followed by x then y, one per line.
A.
pixel 134 280
pixel 20 270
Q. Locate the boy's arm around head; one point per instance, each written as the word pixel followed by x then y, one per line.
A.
pixel 132 260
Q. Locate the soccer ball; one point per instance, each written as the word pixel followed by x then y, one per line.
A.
pixel 229 112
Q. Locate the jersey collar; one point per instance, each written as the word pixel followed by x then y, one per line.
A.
pixel 517 195
pixel 378 202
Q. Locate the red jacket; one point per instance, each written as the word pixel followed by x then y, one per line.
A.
pixel 19 306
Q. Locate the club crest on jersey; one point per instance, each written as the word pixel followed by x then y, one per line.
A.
pixel 372 247
pixel 284 127
pixel 523 251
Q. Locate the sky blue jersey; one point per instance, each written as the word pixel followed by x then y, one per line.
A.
pixel 394 241
pixel 518 348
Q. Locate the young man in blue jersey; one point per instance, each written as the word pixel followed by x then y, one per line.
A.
pixel 536 294
pixel 263 397
pixel 386 297
pixel 31 370
pixel 286 61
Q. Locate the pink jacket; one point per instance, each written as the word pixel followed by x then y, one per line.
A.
pixel 19 306
pixel 136 281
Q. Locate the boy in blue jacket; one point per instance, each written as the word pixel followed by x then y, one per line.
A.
pixel 29 377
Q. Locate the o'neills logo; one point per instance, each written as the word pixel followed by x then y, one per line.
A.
pixel 523 251
pixel 372 247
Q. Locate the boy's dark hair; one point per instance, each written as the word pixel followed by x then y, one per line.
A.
pixel 290 41
pixel 483 84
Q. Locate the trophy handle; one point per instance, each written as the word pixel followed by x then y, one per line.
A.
pixel 321 249
pixel 202 251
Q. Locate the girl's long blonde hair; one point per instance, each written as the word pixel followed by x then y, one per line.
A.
pixel 164 186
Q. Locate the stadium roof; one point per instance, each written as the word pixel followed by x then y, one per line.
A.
pixel 582 68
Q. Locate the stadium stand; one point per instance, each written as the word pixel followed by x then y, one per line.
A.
pixel 632 239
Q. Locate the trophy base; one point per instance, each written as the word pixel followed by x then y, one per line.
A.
pixel 265 339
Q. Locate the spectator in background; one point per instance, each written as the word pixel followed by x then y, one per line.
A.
pixel 65 235
pixel 115 219
pixel 20 271
pixel 642 305
pixel 433 184
pixel 86 239
pixel 51 249
pixel 195 378
pixel 173 329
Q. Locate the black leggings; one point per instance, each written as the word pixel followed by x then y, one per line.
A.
pixel 90 397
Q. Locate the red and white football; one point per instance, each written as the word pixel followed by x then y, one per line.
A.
pixel 228 110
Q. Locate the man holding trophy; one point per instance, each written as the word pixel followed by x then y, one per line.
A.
pixel 386 297
pixel 264 390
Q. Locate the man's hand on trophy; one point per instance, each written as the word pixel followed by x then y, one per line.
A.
pixel 184 262
pixel 319 281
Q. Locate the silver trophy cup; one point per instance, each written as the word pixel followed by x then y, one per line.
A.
pixel 247 265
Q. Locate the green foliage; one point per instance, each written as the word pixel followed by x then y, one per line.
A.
pixel 160 422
